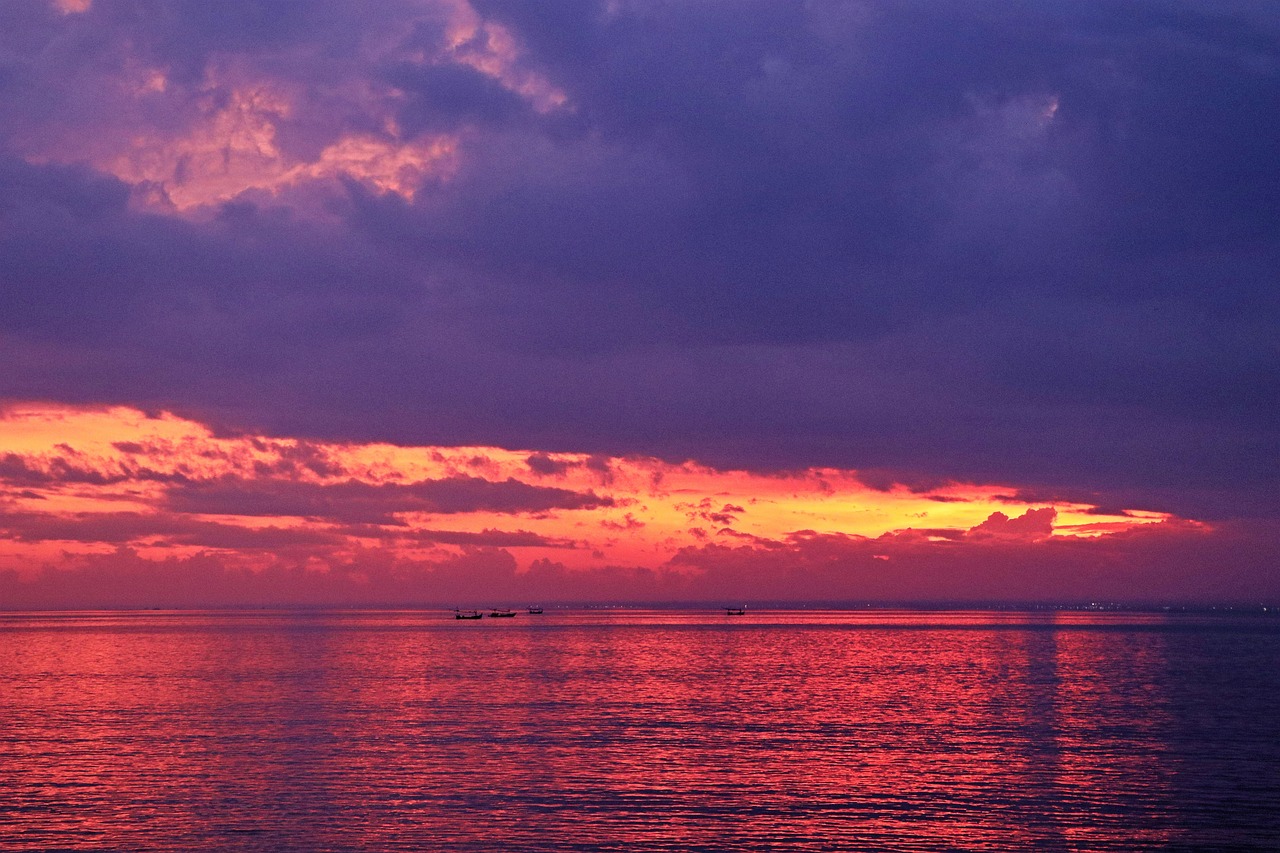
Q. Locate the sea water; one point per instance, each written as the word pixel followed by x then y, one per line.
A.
pixel 624 729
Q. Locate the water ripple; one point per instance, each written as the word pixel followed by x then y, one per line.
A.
pixel 637 730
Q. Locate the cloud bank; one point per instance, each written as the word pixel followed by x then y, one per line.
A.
pixel 1031 246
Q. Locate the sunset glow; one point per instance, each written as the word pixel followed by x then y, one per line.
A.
pixel 458 425
pixel 79 482
pixel 317 303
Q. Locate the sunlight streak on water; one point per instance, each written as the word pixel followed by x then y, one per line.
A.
pixel 657 730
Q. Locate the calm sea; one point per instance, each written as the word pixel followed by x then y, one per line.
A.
pixel 639 730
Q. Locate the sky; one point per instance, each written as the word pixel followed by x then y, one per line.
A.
pixel 479 303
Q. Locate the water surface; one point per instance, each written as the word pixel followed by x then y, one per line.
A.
pixel 639 730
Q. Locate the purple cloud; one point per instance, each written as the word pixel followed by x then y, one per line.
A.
pixel 121 528
pixel 1034 248
pixel 1033 524
pixel 356 502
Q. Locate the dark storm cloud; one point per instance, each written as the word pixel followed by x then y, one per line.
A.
pixel 164 528
pixel 843 175
pixel 123 527
pixel 356 502
pixel 1031 245
pixel 441 97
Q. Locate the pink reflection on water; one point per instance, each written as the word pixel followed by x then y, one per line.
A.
pixel 657 730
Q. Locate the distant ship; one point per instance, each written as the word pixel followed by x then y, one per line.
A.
pixel 533 608
pixel 501 613
pixel 467 614
pixel 735 611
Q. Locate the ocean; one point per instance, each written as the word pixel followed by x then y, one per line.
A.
pixel 630 729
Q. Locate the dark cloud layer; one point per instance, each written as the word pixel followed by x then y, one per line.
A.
pixel 122 528
pixel 356 502
pixel 1033 245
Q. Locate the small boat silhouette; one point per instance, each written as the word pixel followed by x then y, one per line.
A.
pixel 533 608
pixel 735 611
pixel 496 613
pixel 467 614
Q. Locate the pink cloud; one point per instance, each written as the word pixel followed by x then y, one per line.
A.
pixel 1171 562
pixel 1032 525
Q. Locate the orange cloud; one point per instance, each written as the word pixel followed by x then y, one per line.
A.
pixel 78 482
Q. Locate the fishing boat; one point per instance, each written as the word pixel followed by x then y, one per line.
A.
pixel 467 614
pixel 735 611
pixel 535 609
pixel 497 614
